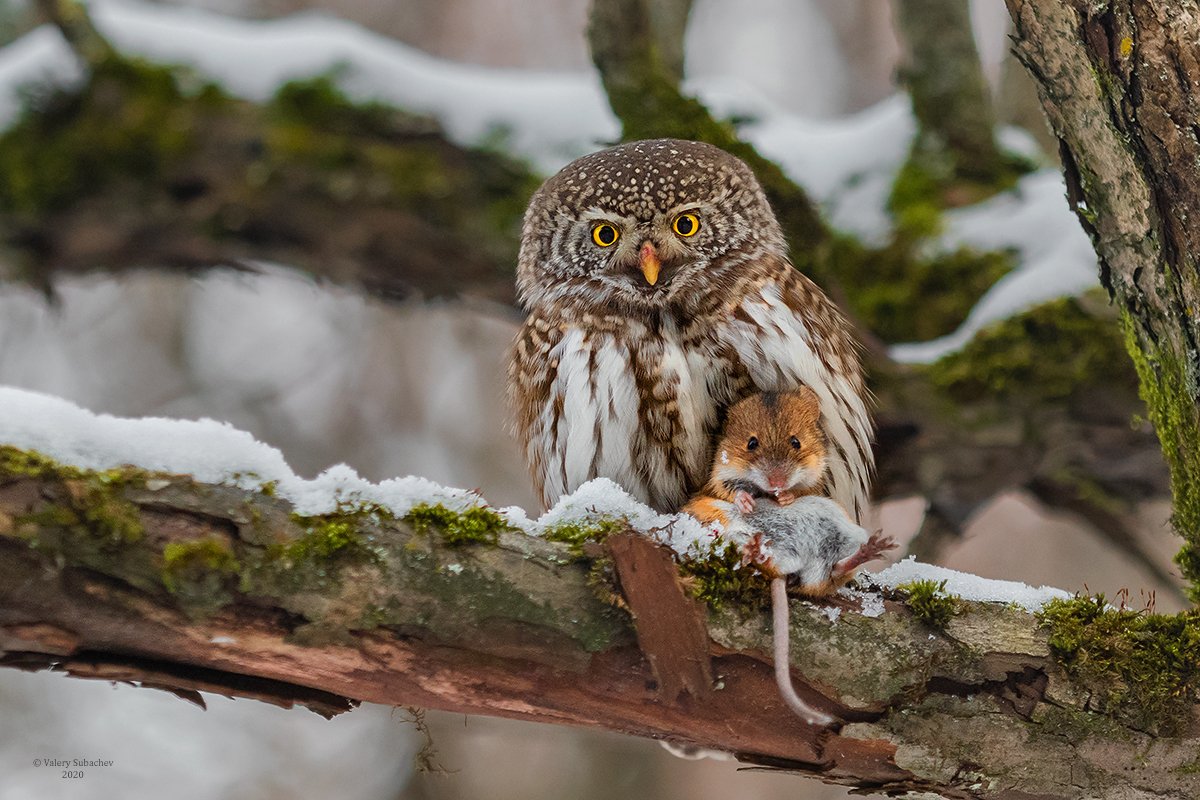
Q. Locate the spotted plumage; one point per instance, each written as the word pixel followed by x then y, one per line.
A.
pixel 633 349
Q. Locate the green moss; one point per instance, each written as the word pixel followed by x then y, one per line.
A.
pixel 1078 725
pixel 474 526
pixel 930 181
pixel 28 463
pixel 325 538
pixel 200 573
pixel 1190 768
pixel 1166 384
pixel 210 554
pixel 93 502
pixel 1044 354
pixel 579 533
pixel 915 202
pixel 319 101
pixel 313 562
pixel 719 575
pixel 903 295
pixel 930 603
pixel 1141 667
pixel 129 121
pixel 106 512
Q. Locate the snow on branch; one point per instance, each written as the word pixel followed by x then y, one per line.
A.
pixel 185 555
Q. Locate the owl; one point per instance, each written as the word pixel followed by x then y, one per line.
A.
pixel 659 293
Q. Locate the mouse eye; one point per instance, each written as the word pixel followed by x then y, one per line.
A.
pixel 795 443
pixel 752 444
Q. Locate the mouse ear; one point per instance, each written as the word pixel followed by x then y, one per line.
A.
pixel 808 395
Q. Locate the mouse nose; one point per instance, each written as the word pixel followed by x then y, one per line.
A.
pixel 777 477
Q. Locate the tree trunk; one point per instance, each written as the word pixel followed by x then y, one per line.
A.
pixel 156 579
pixel 950 98
pixel 1120 82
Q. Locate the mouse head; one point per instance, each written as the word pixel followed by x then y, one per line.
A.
pixel 773 443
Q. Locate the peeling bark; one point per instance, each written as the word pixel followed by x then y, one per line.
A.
pixel 388 614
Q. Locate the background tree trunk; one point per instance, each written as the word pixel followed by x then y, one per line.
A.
pixel 950 98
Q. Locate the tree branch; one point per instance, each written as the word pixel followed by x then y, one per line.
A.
pixel 156 579
pixel 73 21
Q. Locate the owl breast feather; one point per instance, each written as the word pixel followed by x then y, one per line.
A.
pixel 638 409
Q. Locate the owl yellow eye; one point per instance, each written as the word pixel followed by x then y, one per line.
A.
pixel 686 224
pixel 605 235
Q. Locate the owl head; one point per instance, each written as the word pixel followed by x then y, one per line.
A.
pixel 644 226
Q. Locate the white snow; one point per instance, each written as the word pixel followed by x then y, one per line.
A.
pixel 601 498
pixel 210 451
pixel 870 603
pixel 216 452
pixel 832 613
pixel 1055 257
pixel 967 586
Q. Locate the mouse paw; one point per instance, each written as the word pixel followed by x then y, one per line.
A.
pixel 877 545
pixel 743 501
pixel 785 498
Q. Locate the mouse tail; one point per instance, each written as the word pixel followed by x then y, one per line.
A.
pixel 783 669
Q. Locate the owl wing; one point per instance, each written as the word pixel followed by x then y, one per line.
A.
pixel 787 333
pixel 530 394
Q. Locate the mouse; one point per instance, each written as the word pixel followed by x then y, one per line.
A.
pixel 766 491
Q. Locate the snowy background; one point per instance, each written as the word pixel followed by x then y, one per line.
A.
pixel 399 389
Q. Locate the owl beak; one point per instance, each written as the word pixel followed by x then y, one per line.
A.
pixel 648 261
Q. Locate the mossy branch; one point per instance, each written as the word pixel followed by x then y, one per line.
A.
pixel 72 19
pixel 159 580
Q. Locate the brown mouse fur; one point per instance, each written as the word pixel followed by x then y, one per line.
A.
pixel 772 446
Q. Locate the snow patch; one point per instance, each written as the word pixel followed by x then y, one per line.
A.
pixel 967 586
pixel 210 451
pixel 603 499
pixel 870 603
pixel 831 612
pixel 216 452
pixel 1055 257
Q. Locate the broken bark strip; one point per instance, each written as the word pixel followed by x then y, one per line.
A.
pixel 158 579
pixel 670 626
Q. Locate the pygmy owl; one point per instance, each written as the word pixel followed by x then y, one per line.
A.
pixel 659 293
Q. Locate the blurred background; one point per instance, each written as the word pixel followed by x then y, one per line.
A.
pixel 301 217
